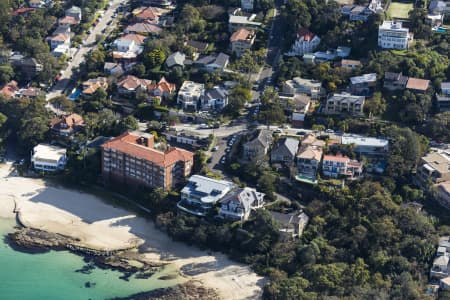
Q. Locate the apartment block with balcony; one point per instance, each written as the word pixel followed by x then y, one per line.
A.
pixel 339 166
pixel 190 95
pixel 392 35
pixel 298 85
pixel 344 103
pixel 132 159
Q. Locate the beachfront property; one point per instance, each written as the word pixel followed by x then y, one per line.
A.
pixel 443 99
pixel 291 224
pixel 298 85
pixel 306 42
pixel 238 204
pixel 344 103
pixel 341 166
pixel 367 146
pixel 133 159
pixel 48 158
pixel 392 35
pixel 201 193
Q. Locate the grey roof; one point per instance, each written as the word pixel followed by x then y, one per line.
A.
pixel 74 9
pixel 176 59
pixel 263 138
pixel 364 78
pixel 221 60
pixel 245 196
pixel 215 93
pixel 441 261
pixel 199 46
pixel 288 145
pixel 445 85
pixel 289 219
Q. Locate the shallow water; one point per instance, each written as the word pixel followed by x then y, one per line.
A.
pixel 53 275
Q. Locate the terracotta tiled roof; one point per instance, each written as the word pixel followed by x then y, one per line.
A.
pixel 242 34
pixel 59 37
pixel 143 27
pixel 306 34
pixel 137 38
pixel 128 143
pixel 92 85
pixel 417 84
pixel 69 120
pixel 336 158
pixel 69 20
pixel 131 82
pixel 147 14
pixel 163 85
pixel 22 10
pixel 10 88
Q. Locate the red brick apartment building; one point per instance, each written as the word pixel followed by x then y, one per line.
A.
pixel 132 159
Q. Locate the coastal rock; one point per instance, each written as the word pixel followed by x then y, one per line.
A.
pixel 191 290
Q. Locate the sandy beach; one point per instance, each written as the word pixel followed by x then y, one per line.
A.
pixel 101 226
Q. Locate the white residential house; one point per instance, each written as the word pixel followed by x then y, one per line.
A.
pixel 367 146
pixel 306 42
pixel 439 269
pixel 247 5
pixel 392 35
pixel 291 224
pixel 202 193
pixel 190 95
pixel 344 103
pixel 337 166
pixel 215 98
pixel 434 167
pixel 235 22
pixel 238 203
pixel 48 158
pixel 298 85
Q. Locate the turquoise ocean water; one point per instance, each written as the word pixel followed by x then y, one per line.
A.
pixel 52 276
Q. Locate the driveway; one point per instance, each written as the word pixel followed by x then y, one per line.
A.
pixel 67 75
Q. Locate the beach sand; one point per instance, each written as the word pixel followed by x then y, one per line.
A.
pixel 99 225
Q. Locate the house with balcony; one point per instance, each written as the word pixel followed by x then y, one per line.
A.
pixel 340 166
pixel 48 158
pixel 161 89
pixel 305 42
pixel 242 40
pixel 201 193
pixel 392 35
pixel 395 81
pixel 190 95
pixel 434 167
pixel 364 84
pixel 239 203
pixel 213 62
pixel 344 103
pixel 258 145
pixel 215 98
pixel 308 163
pixel 298 85
pixel 284 150
pixel 128 47
pixel 130 85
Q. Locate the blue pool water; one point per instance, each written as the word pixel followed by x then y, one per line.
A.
pixel 74 96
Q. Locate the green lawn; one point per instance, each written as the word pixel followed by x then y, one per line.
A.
pixel 399 10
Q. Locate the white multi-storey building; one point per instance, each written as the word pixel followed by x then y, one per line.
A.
pixel 190 94
pixel 48 158
pixel 392 35
pixel 306 42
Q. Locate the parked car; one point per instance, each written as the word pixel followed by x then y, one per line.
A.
pixel 215 148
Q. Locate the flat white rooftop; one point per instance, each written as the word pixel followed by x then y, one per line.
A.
pixel 209 190
pixel 364 141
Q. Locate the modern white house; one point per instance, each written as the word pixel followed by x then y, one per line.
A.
pixel 310 87
pixel 48 158
pixel 202 193
pixel 337 166
pixel 344 103
pixel 392 35
pixel 368 146
pixel 238 204
pixel 190 95
pixel 306 42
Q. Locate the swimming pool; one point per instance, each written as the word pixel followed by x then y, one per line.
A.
pixel 74 96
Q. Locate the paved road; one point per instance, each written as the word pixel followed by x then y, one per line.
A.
pixel 67 75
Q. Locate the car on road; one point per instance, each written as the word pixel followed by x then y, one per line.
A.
pixel 227 150
pixel 300 133
pixel 223 160
pixel 329 131
pixel 278 131
pixel 203 126
pixel 209 160
pixel 215 148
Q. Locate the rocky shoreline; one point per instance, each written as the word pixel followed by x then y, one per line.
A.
pixel 191 290
pixel 130 262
